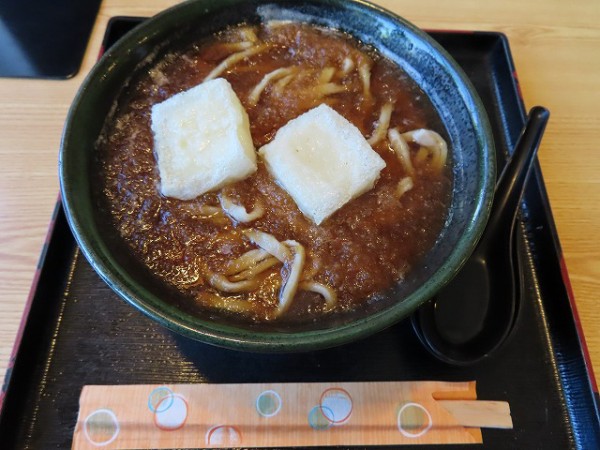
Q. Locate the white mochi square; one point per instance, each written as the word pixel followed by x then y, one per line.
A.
pixel 202 140
pixel 323 161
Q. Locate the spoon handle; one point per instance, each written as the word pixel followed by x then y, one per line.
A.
pixel 511 183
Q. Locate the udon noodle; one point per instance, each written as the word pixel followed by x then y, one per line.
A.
pixel 247 249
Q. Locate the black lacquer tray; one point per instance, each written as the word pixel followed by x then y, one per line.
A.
pixel 76 331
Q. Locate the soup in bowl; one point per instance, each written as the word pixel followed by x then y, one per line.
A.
pixel 276 177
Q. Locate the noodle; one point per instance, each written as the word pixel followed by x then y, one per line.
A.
pixel 404 185
pixel 281 251
pixel 382 124
pixel 347 66
pixel 247 278
pixel 221 283
pixel 243 272
pixel 290 286
pixel 328 294
pixel 323 90
pixel 401 148
pixel 282 83
pixel 364 71
pixel 247 260
pixel 326 75
pixel 233 59
pixel 269 243
pixel 249 34
pixel 422 155
pixel 431 141
pixel 254 96
pixel 206 212
pixel 227 304
pixel 259 268
pixel 239 213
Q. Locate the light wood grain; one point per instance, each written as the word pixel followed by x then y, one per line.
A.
pixel 555 45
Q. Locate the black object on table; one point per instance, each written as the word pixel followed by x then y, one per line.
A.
pixel 44 39
pixel 471 317
pixel 79 332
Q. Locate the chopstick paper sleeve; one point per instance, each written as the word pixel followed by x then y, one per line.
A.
pixel 284 415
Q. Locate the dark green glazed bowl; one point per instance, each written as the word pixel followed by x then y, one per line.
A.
pixel 432 68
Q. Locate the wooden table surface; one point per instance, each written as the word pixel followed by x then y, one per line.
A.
pixel 556 48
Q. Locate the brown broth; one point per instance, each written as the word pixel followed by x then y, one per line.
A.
pixel 363 249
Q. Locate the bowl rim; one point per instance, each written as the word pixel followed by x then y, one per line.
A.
pixel 241 338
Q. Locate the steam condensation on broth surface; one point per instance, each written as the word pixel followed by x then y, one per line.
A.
pixel 362 249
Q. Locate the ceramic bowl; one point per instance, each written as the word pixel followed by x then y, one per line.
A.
pixel 425 61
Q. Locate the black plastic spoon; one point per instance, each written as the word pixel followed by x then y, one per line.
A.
pixel 473 315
